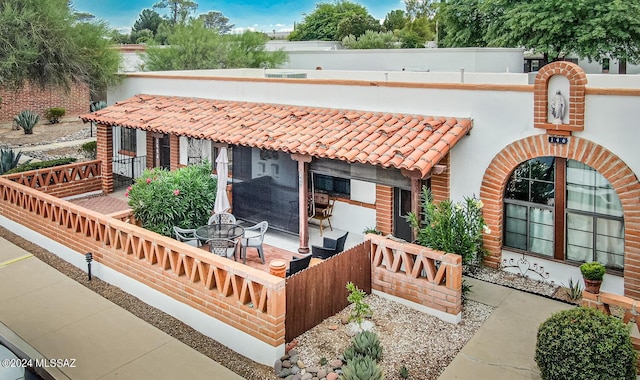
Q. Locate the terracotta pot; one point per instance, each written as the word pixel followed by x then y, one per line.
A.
pixel 592 286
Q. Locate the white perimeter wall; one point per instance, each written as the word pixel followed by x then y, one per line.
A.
pixel 493 60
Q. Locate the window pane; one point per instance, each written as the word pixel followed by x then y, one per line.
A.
pixel 514 240
pixel 580 197
pixel 542 168
pixel 542 192
pixel 518 189
pixel 579 237
pixel 541 231
pixel 516 211
pixel 607 202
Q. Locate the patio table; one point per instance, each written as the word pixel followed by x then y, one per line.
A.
pixel 213 231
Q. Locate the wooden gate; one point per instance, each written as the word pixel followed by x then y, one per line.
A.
pixel 320 291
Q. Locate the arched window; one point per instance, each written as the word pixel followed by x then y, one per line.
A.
pixel 565 210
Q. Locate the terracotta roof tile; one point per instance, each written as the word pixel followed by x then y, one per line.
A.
pixel 413 142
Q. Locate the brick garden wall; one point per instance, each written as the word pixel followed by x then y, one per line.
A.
pixel 409 271
pixel 247 299
pixel 76 101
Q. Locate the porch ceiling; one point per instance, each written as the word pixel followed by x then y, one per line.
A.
pixel 412 142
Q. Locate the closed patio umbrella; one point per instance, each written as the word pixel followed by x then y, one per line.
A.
pixel 222 201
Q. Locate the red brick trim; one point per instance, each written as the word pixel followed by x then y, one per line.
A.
pixel 622 179
pixel 577 82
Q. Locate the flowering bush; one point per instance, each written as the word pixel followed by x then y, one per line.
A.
pixel 161 199
pixel 451 227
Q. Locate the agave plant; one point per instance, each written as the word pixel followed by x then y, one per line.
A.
pixel 8 160
pixel 27 120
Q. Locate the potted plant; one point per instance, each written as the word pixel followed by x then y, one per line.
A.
pixel 592 274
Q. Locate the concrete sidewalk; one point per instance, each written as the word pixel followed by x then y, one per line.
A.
pixel 57 318
pixel 504 346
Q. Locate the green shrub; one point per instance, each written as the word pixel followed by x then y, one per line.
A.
pixel 593 271
pixel 27 120
pixel 362 368
pixel 89 149
pixel 27 166
pixel 364 343
pixel 54 114
pixel 9 159
pixel 451 227
pixel 583 343
pixel 161 199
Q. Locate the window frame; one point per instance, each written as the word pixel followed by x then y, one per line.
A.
pixel 560 217
pixel 128 141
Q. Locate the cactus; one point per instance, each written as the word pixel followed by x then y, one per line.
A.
pixel 362 368
pixel 9 160
pixel 365 343
pixel 27 120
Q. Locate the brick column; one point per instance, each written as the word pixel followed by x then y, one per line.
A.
pixel 441 183
pixel 174 152
pixel 384 209
pixel 150 151
pixel 104 139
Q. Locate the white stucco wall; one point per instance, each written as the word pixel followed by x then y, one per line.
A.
pixel 499 118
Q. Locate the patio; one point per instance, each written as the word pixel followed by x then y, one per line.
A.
pixel 277 244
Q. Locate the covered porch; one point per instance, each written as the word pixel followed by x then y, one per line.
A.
pixel 372 164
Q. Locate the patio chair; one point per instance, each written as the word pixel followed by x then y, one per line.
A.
pixel 298 264
pixel 324 212
pixel 329 247
pixel 186 235
pixel 223 247
pixel 222 218
pixel 253 238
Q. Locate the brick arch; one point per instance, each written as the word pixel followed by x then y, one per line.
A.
pixel 577 82
pixel 623 180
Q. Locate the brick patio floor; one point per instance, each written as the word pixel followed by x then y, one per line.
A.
pixel 114 202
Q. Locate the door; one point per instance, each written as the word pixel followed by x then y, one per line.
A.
pixel 165 152
pixel 401 207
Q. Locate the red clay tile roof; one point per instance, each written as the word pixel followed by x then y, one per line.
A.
pixel 413 142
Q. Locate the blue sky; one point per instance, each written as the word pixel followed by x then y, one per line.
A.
pixel 276 15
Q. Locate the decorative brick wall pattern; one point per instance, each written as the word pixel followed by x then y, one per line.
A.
pixel 104 139
pixel 441 183
pixel 577 82
pixel 64 180
pixel 409 271
pixel 622 179
pixel 75 102
pixel 384 209
pixel 248 299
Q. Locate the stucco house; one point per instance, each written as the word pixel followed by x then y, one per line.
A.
pixel 557 190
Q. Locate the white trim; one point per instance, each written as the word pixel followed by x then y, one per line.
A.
pixel 227 335
pixel 451 318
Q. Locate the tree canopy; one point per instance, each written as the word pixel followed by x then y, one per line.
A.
pixel 193 46
pixel 590 29
pixel 45 43
pixel 334 21
pixel 216 20
pixel 178 11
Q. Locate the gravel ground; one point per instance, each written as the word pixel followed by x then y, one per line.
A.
pixel 422 343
